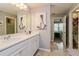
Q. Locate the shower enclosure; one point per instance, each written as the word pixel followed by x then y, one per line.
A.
pixel 75 30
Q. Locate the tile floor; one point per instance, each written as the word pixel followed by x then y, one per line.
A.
pixel 56 50
pixel 52 53
pixel 57 46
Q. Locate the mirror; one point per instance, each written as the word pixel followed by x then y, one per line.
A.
pixel 10 25
pixel 14 19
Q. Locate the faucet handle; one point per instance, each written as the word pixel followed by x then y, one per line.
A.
pixel 7 37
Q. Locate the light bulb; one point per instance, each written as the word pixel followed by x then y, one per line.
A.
pixel 77 10
pixel 21 4
pixel 17 5
pixel 25 6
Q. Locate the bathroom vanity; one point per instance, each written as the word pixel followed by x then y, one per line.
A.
pixel 19 44
pixel 15 37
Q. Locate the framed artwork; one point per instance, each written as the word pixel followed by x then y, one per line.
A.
pixel 43 21
pixel 21 25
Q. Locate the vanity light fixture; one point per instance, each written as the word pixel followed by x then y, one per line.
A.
pixel 77 10
pixel 21 5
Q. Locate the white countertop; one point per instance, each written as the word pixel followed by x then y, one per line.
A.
pixel 15 39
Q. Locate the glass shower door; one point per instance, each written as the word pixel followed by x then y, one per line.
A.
pixel 75 30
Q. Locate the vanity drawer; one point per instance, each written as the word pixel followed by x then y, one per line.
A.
pixel 14 48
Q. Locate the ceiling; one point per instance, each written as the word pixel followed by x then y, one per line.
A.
pixel 12 9
pixel 36 5
pixel 60 9
pixel 9 8
pixel 57 9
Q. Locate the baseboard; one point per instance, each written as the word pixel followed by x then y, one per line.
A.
pixel 47 50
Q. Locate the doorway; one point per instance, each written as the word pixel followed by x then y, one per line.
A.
pixel 10 25
pixel 58 33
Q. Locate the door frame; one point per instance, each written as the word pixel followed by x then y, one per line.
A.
pixel 71 28
pixel 64 31
pixel 6 25
pixel 64 42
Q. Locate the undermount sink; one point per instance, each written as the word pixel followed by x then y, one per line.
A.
pixel 8 42
pixel 4 43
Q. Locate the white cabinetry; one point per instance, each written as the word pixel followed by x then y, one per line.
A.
pixel 35 43
pixel 25 48
pixel 32 46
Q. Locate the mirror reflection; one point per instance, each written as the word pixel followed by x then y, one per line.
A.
pixel 75 30
pixel 14 18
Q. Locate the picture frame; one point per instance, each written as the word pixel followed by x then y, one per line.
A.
pixel 43 21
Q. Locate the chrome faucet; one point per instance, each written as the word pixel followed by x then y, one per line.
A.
pixel 7 37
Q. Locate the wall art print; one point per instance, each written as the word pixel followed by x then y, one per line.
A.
pixel 21 26
pixel 43 21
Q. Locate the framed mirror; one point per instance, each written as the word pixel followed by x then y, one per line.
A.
pixel 14 19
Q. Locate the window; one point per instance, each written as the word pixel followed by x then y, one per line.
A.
pixel 58 27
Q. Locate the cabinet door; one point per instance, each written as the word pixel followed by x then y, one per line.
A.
pixel 32 47
pixel 35 43
pixel 26 51
pixel 28 48
pixel 17 53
